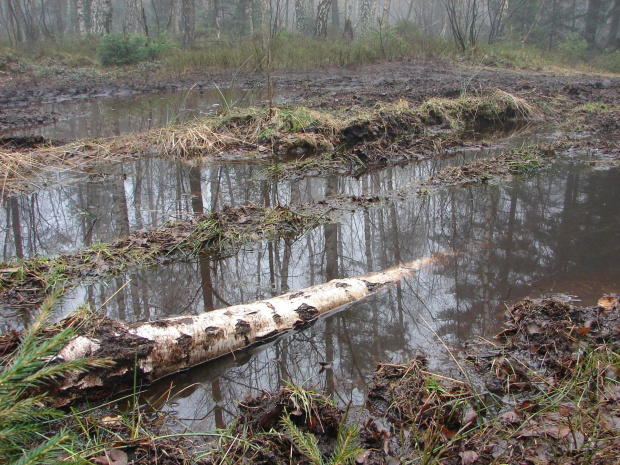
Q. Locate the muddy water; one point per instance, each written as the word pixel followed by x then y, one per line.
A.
pixel 558 232
pixel 109 117
pixel 112 202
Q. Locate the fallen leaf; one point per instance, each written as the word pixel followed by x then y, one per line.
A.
pixel 111 420
pixel 607 302
pixel 583 331
pixel 9 270
pixel 510 417
pixel 566 409
pixel 470 416
pixel 468 457
pixel 362 457
pixel 448 433
pixel 533 329
pixel 112 457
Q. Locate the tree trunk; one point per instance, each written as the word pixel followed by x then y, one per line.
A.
pixel 82 8
pixel 166 346
pixel 101 17
pixel 335 14
pixel 188 17
pixel 612 39
pixel 173 21
pixel 301 16
pixel 592 19
pixel 366 15
pixel 321 18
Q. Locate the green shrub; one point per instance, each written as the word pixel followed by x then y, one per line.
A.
pixel 573 45
pixel 123 49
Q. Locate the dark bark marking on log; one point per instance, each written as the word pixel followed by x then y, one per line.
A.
pixel 242 327
pixel 343 285
pixel 294 295
pixel 270 305
pixel 277 318
pixel 166 323
pixel 184 343
pixel 306 313
pixel 372 287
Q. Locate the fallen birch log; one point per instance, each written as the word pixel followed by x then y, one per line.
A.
pixel 166 346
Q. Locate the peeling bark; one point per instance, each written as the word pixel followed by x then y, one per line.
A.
pixel 160 348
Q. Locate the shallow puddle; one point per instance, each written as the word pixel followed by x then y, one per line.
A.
pixel 112 201
pixel 107 117
pixel 556 233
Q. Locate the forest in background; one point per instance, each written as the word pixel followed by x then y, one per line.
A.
pixel 573 27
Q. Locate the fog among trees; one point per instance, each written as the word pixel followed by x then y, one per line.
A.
pixel 547 23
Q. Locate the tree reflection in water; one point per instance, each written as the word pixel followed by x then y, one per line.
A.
pixel 545 234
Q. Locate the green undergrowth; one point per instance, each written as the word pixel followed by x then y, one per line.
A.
pixel 69 56
pixel 30 431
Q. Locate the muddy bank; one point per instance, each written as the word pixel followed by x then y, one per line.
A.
pixel 414 79
pixel 387 133
pixel 24 284
pixel 521 400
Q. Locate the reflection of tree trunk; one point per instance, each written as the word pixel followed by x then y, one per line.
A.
pixel 120 300
pixel 485 276
pixel 507 262
pixel 120 211
pixel 172 344
pixel 195 187
pixel 218 411
pixel 17 227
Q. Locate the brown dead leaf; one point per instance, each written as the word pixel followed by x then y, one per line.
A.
pixel 9 270
pixel 510 417
pixel 608 302
pixel 448 433
pixel 111 420
pixel 533 329
pixel 583 331
pixel 468 457
pixel 112 457
pixel 612 422
pixel 566 409
pixel 362 457
pixel 470 416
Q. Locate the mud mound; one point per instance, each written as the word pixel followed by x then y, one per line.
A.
pixel 384 125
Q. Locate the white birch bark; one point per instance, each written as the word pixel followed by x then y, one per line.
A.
pixel 170 345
